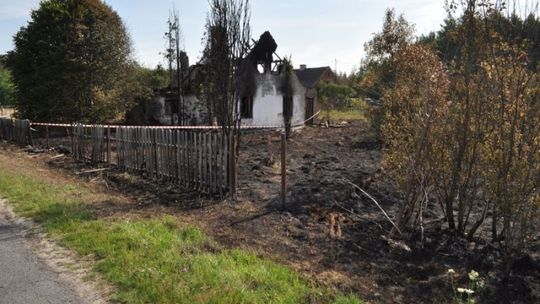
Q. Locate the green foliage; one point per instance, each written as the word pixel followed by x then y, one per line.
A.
pixel 511 28
pixel 157 260
pixel 443 41
pixel 158 78
pixel 356 111
pixel 7 88
pixel 72 63
pixel 335 95
pixel 396 34
pixel 145 81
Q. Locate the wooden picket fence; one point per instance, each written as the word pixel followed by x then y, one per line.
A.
pixel 87 143
pixel 199 159
pixel 16 130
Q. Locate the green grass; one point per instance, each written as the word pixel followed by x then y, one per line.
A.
pixel 346 115
pixel 158 260
pixel 357 111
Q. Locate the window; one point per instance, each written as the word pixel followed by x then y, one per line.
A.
pixel 246 107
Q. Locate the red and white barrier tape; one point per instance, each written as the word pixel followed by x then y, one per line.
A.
pixel 44 124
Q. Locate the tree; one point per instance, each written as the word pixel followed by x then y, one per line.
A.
pixel 376 73
pixel 176 60
pixel 7 88
pixel 227 78
pixel 72 63
pixel 396 34
pixel 442 41
pixel 512 28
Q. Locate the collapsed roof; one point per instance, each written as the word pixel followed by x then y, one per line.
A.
pixel 263 50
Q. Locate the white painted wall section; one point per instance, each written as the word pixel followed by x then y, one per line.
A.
pixel 268 101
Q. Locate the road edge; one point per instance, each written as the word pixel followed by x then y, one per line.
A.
pixel 72 269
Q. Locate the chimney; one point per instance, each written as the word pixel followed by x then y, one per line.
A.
pixel 303 67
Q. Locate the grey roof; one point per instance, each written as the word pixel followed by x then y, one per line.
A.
pixel 310 77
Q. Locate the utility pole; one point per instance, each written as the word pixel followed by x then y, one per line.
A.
pixel 335 69
pixel 170 56
pixel 179 69
pixel 174 55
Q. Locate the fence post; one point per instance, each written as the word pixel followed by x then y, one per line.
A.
pixel 30 136
pixel 47 136
pixel 109 145
pixel 156 157
pixel 283 170
pixel 12 135
pixel 70 135
pixel 232 165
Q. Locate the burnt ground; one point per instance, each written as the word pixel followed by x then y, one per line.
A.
pixel 327 231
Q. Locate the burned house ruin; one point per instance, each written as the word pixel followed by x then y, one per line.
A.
pixel 276 92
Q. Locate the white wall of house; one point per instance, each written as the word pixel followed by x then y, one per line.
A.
pixel 268 102
pixel 193 109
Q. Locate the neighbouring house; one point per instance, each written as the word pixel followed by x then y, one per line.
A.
pixel 264 108
pixel 310 79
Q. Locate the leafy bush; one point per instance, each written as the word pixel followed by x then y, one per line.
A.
pixel 7 88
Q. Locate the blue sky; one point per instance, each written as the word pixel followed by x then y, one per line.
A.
pixel 313 32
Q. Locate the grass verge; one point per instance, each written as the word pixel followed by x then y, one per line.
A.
pixel 358 110
pixel 347 115
pixel 157 260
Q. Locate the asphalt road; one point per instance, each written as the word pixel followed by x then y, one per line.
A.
pixel 24 278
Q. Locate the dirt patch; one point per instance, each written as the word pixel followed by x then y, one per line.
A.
pixel 327 230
